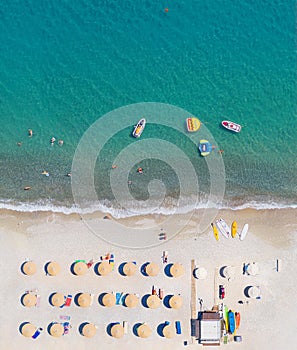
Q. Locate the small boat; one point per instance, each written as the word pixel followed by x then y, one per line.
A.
pixel 231 321
pixel 223 228
pixel 215 231
pixel 193 124
pixel 244 232
pixel 233 229
pixel 231 126
pixel 139 127
pixel 204 147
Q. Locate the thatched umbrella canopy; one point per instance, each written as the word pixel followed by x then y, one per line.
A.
pixel 144 331
pixel 152 269
pixel 117 331
pixel 169 331
pixel 80 268
pixel 28 330
pixel 253 269
pixel 200 273
pixel 109 300
pixel 57 299
pixel 177 270
pixel 104 268
pixel 29 268
pixel 56 330
pixel 89 330
pixel 176 301
pixel 29 300
pixel 153 301
pixel 53 268
pixel 84 300
pixel 129 269
pixel 131 300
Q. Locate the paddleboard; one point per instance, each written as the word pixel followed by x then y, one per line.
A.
pixel 223 227
pixel 231 321
pixel 215 231
pixel 225 316
pixel 233 229
pixel 244 232
pixel 237 319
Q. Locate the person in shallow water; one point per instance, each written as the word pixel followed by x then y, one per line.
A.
pixel 140 170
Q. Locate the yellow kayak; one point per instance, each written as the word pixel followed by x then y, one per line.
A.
pixel 233 229
pixel 215 231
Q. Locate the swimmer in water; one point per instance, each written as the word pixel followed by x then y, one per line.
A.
pixel 60 142
pixel 30 132
pixel 53 140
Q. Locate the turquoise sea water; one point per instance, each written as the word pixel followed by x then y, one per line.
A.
pixel 64 64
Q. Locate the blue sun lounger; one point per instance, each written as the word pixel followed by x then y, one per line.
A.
pixel 178 327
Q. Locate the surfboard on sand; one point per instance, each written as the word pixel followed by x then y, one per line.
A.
pixel 223 227
pixel 233 229
pixel 244 232
pixel 215 231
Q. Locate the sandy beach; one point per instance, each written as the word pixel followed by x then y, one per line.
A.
pixel 267 323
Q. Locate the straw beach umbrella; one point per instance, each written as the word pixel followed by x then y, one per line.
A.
pixel 104 268
pixel 89 330
pixel 129 269
pixel 80 268
pixel 253 269
pixel 117 331
pixel 176 302
pixel 153 301
pixel 84 300
pixel 53 268
pixel 29 300
pixel 177 270
pixel 169 331
pixel 56 330
pixel 28 330
pixel 254 292
pixel 109 300
pixel 200 273
pixel 152 269
pixel 29 268
pixel 144 331
pixel 131 300
pixel 57 299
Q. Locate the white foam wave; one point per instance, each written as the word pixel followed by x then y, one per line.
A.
pixel 120 213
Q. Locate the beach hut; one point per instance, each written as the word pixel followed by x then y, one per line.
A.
pixel 152 269
pixel 168 331
pixel 200 273
pixel 28 330
pixel 84 300
pixel 131 300
pixel 53 268
pixel 29 268
pixel 104 268
pixel 252 269
pixel 254 292
pixel 117 330
pixel 80 268
pixel 129 269
pixel 108 300
pixel 153 301
pixel 29 300
pixel 56 330
pixel 57 299
pixel 176 302
pixel 144 331
pixel 88 330
pixel 177 270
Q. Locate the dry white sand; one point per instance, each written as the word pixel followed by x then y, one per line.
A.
pixel 269 323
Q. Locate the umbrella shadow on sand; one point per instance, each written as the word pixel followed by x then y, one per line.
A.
pixel 144 300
